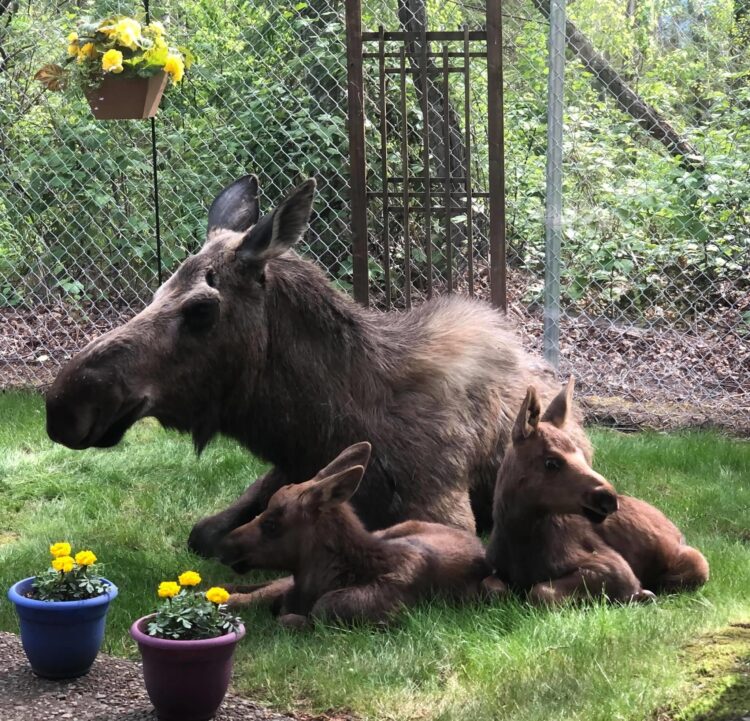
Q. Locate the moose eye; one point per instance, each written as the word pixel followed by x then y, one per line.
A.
pixel 210 280
pixel 269 527
pixel 200 315
pixel 552 464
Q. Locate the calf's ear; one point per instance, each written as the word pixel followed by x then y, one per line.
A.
pixel 528 417
pixel 276 232
pixel 236 207
pixel 559 407
pixel 333 490
pixel 355 455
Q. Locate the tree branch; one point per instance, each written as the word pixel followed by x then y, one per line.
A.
pixel 653 122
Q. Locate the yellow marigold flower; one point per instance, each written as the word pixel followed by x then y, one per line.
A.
pixel 168 589
pixel 175 67
pixel 87 52
pixel 156 28
pixel 72 50
pixel 189 578
pixel 217 595
pixel 62 548
pixel 73 38
pixel 63 563
pixel 112 61
pixel 85 558
pixel 128 33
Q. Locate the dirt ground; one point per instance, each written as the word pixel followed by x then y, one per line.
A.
pixel 628 376
pixel 112 691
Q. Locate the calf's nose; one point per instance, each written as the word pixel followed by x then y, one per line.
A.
pixel 603 501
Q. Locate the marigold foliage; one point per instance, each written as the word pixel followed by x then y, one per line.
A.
pixel 69 578
pixel 189 614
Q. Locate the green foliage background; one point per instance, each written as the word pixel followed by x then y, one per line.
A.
pixel 643 235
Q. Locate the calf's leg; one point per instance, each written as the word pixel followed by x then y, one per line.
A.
pixel 208 532
pixel 374 603
pixel 609 574
pixel 271 593
pixel 687 569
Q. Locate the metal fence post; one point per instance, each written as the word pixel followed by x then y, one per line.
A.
pixel 553 200
pixel 356 121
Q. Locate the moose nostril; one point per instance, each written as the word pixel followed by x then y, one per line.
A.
pixel 604 501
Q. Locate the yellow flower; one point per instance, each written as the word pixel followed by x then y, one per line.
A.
pixel 168 589
pixel 72 50
pixel 73 38
pixel 63 563
pixel 87 52
pixel 217 595
pixel 128 33
pixel 189 578
pixel 60 549
pixel 156 28
pixel 112 61
pixel 175 66
pixel 85 558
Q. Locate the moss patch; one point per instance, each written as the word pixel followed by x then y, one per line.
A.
pixel 720 677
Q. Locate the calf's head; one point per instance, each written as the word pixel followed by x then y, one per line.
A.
pixel 204 326
pixel 289 527
pixel 544 467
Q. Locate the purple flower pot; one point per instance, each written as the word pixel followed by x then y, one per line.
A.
pixel 61 638
pixel 185 680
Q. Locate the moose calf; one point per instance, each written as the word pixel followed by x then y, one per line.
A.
pixel 561 530
pixel 341 570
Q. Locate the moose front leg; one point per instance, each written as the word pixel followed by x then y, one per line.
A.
pixel 207 533
pixel 271 593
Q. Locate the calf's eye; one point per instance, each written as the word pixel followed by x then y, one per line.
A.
pixel 552 464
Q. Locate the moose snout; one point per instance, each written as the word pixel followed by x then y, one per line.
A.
pixel 601 502
pixel 67 423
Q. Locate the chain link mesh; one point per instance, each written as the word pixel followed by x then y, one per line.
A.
pixel 655 252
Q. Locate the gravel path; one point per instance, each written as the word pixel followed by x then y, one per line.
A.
pixel 112 691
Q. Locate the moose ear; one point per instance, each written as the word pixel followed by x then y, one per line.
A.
pixel 559 407
pixel 236 207
pixel 280 230
pixel 333 490
pixel 356 455
pixel 528 416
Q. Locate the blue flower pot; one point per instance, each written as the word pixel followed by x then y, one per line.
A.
pixel 61 638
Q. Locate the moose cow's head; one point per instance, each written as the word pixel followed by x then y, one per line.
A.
pixel 204 326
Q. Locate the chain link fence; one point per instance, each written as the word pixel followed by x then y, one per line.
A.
pixel 655 234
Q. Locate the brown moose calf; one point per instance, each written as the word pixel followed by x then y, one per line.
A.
pixel 341 570
pixel 560 529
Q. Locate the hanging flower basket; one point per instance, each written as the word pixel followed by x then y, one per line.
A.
pixel 121 66
pixel 127 98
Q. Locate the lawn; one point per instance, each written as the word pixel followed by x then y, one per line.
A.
pixel 134 506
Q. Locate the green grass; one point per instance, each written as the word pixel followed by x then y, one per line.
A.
pixel 134 506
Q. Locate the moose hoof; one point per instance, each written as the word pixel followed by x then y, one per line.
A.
pixel 643 596
pixel 293 621
pixel 493 586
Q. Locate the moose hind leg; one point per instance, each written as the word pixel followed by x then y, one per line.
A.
pixel 609 575
pixel 374 603
pixel 687 569
pixel 207 533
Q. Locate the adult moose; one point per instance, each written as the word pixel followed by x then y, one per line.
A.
pixel 250 340
pixel 561 530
